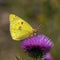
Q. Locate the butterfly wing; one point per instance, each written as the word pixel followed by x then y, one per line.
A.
pixel 19 28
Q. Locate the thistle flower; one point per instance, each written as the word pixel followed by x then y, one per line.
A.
pixel 47 56
pixel 37 45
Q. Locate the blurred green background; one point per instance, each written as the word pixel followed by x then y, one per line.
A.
pixel 45 13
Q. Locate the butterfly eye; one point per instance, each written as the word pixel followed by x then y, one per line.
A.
pixel 21 22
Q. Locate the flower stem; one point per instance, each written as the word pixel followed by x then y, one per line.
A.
pixel 37 58
pixel 34 58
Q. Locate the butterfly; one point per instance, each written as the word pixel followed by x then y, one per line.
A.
pixel 19 28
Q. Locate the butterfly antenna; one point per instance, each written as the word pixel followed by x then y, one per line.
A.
pixel 38 28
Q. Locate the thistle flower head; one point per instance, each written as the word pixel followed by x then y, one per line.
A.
pixel 47 56
pixel 37 45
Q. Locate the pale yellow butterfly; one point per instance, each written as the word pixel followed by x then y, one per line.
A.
pixel 19 28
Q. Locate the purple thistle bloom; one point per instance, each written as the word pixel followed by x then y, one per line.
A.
pixel 47 56
pixel 37 45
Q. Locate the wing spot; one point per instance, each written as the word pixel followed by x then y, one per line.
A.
pixel 21 22
pixel 20 28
